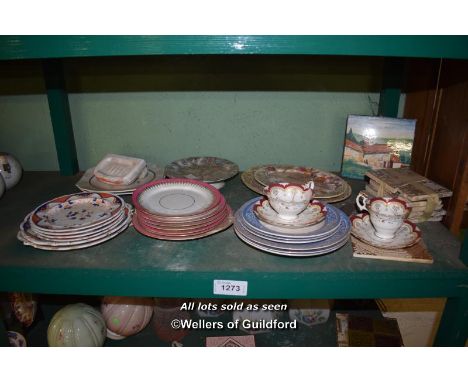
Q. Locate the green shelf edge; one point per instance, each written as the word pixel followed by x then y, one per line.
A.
pixel 154 283
pixel 40 47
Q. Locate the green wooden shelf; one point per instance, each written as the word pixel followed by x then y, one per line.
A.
pixel 132 264
pixel 39 47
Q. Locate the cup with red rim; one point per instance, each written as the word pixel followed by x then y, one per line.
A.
pixel 289 199
pixel 386 214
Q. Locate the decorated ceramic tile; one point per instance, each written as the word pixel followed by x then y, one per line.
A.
pixel 376 142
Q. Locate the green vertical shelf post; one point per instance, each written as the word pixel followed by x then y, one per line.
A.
pixel 453 328
pixel 392 82
pixel 60 116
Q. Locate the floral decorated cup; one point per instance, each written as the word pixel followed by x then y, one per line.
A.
pixel 289 199
pixel 386 214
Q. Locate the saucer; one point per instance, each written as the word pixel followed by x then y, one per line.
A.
pixel 406 236
pixel 315 232
pixel 314 213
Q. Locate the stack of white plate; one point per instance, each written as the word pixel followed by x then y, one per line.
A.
pixel 329 187
pixel 75 221
pixel 309 240
pixel 180 209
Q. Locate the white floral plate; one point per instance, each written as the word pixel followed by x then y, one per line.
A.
pixel 76 211
pixel 73 246
pixel 327 185
pixel 406 236
pixel 249 180
pixel 79 232
pixel 314 213
pixel 206 169
pixel 40 239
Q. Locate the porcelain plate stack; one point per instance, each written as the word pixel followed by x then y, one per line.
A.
pixel 322 237
pixel 75 221
pixel 329 187
pixel 180 209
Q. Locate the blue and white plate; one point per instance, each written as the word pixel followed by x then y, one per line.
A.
pixel 341 234
pixel 330 225
pixel 292 253
pixel 332 235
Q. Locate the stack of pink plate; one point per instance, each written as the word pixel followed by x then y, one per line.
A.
pixel 180 209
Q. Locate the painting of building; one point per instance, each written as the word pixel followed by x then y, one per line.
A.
pixel 376 142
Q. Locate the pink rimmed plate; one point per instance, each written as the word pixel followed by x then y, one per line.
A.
pixel 184 227
pixel 176 197
pixel 184 231
pixel 226 223
pixel 176 220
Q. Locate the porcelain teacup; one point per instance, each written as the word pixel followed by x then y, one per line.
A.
pixel 289 199
pixel 386 214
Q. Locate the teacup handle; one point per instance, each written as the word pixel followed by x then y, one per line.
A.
pixel 310 185
pixel 361 201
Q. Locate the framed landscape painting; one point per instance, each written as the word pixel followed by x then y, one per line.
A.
pixel 376 142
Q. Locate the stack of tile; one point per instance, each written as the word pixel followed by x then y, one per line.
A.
pixel 421 194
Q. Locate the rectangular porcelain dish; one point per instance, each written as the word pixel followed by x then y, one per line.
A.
pixel 119 169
